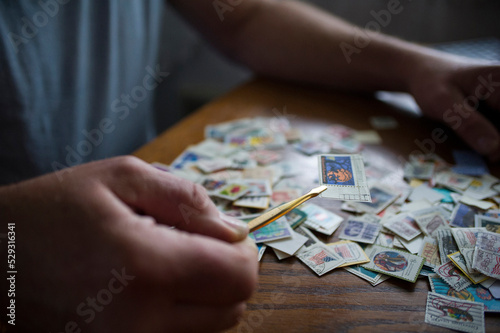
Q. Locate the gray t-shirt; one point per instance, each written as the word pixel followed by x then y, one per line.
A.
pixel 77 81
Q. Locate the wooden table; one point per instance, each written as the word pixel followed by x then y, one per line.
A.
pixel 290 297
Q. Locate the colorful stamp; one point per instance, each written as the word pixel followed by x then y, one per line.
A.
pixel 394 262
pixel 320 259
pixel 403 226
pixel 360 231
pixel 344 175
pixel 463 216
pixel 232 191
pixel 296 217
pixel 473 293
pixel 352 252
pixel 278 229
pixel 337 170
pixel 487 254
pixel 450 312
pixel 453 276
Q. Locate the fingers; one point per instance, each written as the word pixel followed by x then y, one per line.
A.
pixel 480 134
pixel 229 273
pixel 212 272
pixel 172 201
pixel 450 106
pixel 472 126
pixel 194 269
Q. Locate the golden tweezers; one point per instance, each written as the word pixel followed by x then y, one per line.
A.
pixel 281 210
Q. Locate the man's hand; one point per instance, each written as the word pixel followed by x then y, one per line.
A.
pixel 96 252
pixel 449 90
pixel 323 49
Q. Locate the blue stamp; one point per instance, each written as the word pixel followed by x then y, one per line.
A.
pixel 337 170
pixel 185 158
pixel 463 216
pixel 473 293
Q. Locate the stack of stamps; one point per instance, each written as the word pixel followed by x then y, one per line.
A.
pixel 426 219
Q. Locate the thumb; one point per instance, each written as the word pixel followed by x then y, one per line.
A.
pixel 174 202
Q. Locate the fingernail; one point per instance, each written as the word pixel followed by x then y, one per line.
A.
pixel 234 223
pixel 488 145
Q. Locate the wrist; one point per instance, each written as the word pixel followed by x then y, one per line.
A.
pixel 416 63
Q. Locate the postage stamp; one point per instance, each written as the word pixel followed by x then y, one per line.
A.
pixel 212 185
pixel 453 313
pixel 259 173
pixel 258 187
pixel 360 231
pixel 453 180
pixel 311 239
pixel 487 254
pixel 463 216
pixel 403 226
pixel 481 204
pixel 447 244
pixel 261 248
pixel 373 277
pixel 453 276
pixel 320 258
pixel 385 239
pixel 185 159
pixel 380 199
pixel 491 224
pixel 278 229
pixel 232 191
pixel 281 196
pixel 414 245
pixel 474 293
pixel 458 259
pixel 344 175
pixel 296 217
pixel 431 223
pixel 320 219
pixel 289 245
pixel 466 240
pixel 430 252
pixel 480 188
pixel 264 157
pixel 495 213
pixel 212 165
pixel 352 253
pixel 468 254
pixel 394 262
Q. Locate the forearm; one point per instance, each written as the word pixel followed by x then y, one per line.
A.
pixel 294 41
pixel 317 48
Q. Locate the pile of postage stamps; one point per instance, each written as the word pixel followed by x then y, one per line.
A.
pixel 426 219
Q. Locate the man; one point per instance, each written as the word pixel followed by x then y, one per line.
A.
pixel 94 248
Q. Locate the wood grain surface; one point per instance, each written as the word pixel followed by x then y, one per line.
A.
pixel 290 297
